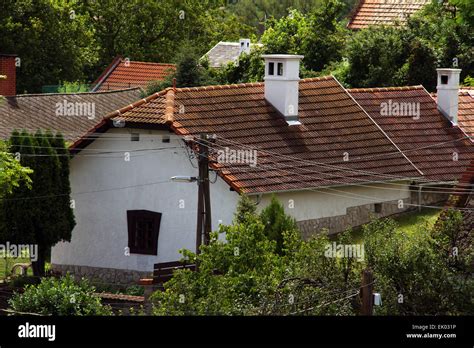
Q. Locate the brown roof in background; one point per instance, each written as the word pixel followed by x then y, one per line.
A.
pixel 289 157
pixel 122 73
pixel 383 12
pixel 429 141
pixel 38 111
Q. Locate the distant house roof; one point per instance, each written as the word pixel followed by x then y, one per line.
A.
pixel 40 111
pixel 289 158
pixel 224 53
pixel 383 12
pixel 429 140
pixel 123 73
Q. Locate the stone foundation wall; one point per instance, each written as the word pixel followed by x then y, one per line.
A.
pixel 355 216
pixel 118 277
pixel 435 196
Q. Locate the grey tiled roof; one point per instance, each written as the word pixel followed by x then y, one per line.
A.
pixel 224 52
pixel 39 111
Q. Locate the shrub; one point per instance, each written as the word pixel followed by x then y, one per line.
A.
pixel 247 275
pixel 412 275
pixel 61 296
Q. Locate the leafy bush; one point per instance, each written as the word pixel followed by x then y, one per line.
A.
pixel 61 296
pixel 247 275
pixel 412 274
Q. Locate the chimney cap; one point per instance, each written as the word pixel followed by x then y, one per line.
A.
pixel 282 56
pixel 448 70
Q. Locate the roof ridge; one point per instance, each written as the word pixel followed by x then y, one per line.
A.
pixel 243 85
pixel 169 106
pixel 151 63
pixel 219 87
pixel 77 93
pixel 385 89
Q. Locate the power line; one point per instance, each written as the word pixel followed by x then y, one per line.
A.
pixel 348 184
pixel 354 195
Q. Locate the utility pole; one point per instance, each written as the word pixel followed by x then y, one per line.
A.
pixel 366 292
pixel 204 223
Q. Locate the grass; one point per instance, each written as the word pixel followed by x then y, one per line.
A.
pixel 408 223
pixel 413 222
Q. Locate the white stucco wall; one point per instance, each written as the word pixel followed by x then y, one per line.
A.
pixel 334 201
pixel 100 236
pixel 105 185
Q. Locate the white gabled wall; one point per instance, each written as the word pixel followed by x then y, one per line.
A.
pixel 100 236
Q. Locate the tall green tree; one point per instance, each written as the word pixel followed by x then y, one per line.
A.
pixel 51 38
pixel 42 215
pixel 325 37
pixel 277 222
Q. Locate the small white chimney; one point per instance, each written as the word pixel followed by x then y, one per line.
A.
pixel 447 93
pixel 244 46
pixel 282 76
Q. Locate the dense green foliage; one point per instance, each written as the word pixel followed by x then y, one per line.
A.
pixel 247 275
pixel 191 71
pixel 43 214
pixel 75 40
pixel 12 173
pixel 409 55
pixel 413 274
pixel 61 296
pixel 276 223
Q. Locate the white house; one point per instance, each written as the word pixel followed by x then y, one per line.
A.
pixel 308 141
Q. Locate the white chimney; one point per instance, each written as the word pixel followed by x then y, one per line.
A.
pixel 282 76
pixel 448 91
pixel 244 46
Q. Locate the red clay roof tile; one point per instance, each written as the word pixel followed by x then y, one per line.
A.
pixel 289 158
pixel 122 73
pixel 429 141
pixel 383 12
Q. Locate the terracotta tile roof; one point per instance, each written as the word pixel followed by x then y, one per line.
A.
pixel 121 74
pixel 465 109
pixel 33 111
pixel 429 141
pixel 289 158
pixel 383 12
pixel 224 53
